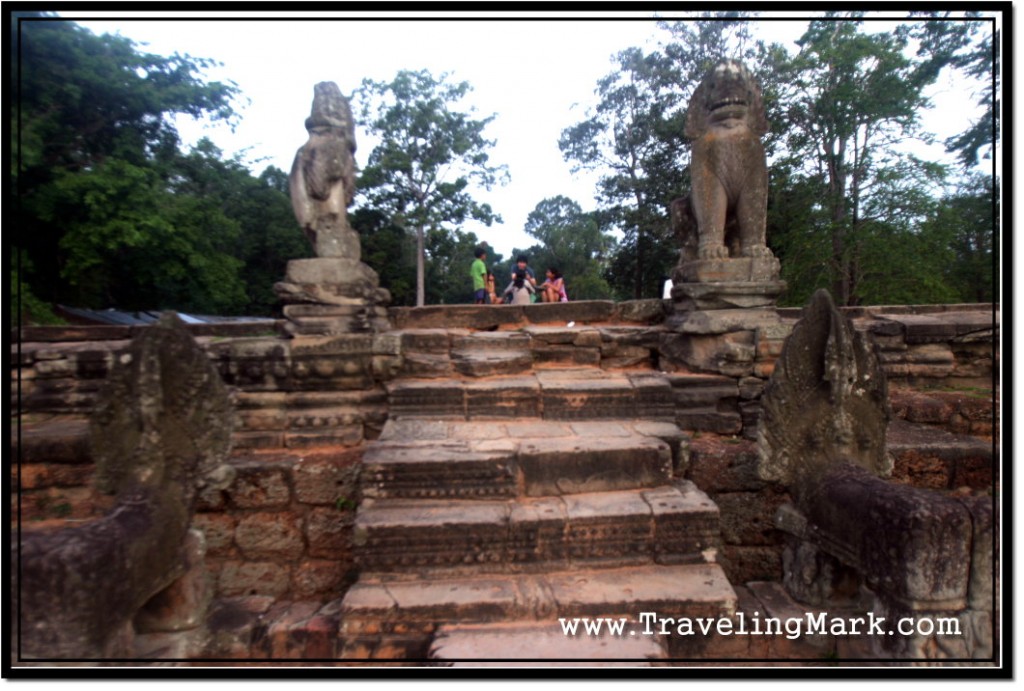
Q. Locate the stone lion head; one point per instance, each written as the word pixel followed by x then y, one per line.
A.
pixel 727 92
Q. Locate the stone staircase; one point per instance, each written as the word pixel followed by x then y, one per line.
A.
pixel 515 489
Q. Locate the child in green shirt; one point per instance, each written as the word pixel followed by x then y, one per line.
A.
pixel 478 271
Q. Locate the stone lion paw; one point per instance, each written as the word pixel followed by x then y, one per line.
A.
pixel 758 252
pixel 713 252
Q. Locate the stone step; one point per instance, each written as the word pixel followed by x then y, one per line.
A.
pixel 491 341
pixel 557 394
pixel 404 614
pixel 432 352
pixel 524 643
pixel 60 439
pixel 491 362
pixel 416 458
pixel 931 457
pixel 670 524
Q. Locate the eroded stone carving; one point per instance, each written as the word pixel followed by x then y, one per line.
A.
pixel 826 402
pixel 334 292
pixel 159 435
pixel 724 216
pixel 322 181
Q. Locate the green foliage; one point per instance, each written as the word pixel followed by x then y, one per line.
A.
pixel 965 45
pixel 345 504
pixel 110 211
pixel 965 222
pixel 387 248
pixel 851 99
pixel 429 155
pixel 26 308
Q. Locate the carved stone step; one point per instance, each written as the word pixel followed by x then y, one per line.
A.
pixel 562 394
pixel 491 341
pixel 435 459
pixel 505 644
pixel 928 456
pixel 406 613
pixel 491 361
pixel 668 524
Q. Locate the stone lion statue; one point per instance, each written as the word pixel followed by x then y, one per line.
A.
pixel 322 180
pixel 724 216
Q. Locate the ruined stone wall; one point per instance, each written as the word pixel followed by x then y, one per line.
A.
pixel 305 407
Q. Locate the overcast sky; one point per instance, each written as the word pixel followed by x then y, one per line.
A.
pixel 537 77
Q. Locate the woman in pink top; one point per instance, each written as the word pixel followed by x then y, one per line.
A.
pixel 553 289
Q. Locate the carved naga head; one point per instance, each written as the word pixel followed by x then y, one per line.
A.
pixel 331 113
pixel 728 91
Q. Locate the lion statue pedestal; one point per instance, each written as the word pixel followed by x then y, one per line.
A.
pixel 335 292
pixel 727 281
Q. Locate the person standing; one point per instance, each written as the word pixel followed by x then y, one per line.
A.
pixel 478 272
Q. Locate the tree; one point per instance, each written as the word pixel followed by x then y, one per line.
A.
pixel 98 215
pixel 963 44
pixel 853 99
pixel 386 249
pixel 965 220
pixel 429 155
pixel 630 135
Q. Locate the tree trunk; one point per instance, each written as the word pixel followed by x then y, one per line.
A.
pixel 421 289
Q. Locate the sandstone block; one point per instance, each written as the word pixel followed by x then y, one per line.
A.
pixel 743 563
pixel 491 341
pixel 253 578
pixel 581 312
pixel 567 355
pixel 219 531
pixel 514 397
pixel 747 517
pixel 455 316
pixel 325 479
pixel 427 365
pixel 491 362
pixel 44 475
pixel 649 311
pixel 688 297
pixel 61 439
pixel 318 578
pixel 269 536
pixel 261 484
pixel 710 420
pixel 724 464
pixel 560 466
pixel 341 435
pixel 329 532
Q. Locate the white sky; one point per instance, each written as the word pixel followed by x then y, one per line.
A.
pixel 538 77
